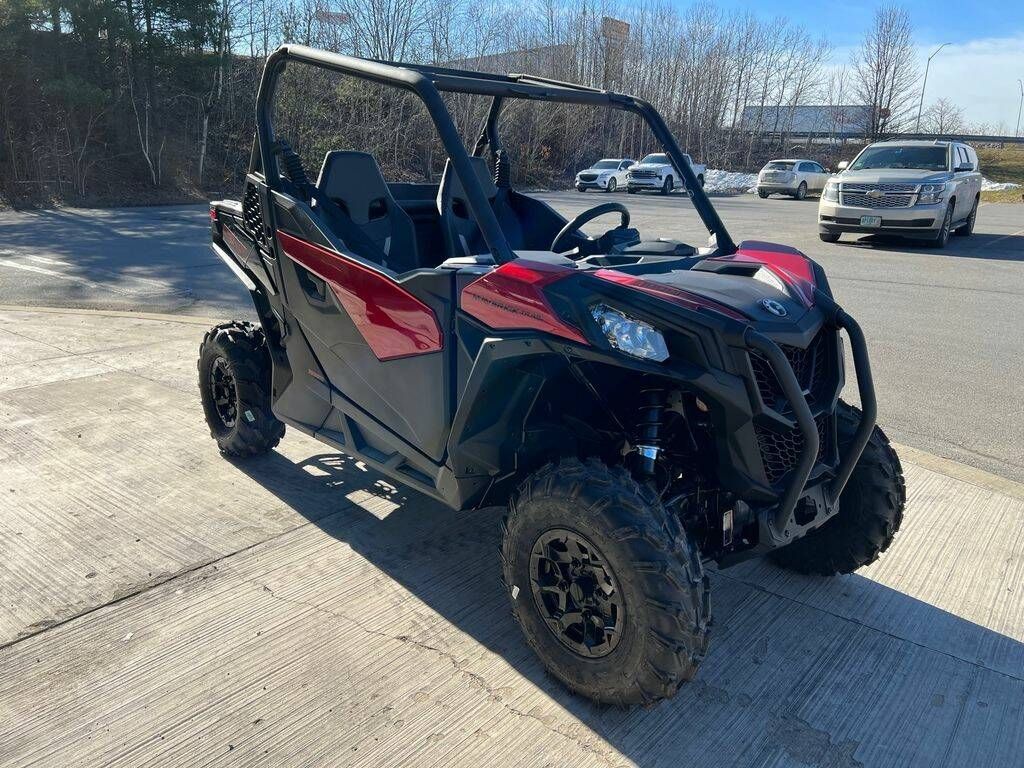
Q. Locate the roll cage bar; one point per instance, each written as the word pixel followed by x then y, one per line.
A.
pixel 427 81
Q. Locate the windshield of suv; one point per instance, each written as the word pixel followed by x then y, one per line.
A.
pixel 778 165
pixel 922 158
pixel 602 164
pixel 658 158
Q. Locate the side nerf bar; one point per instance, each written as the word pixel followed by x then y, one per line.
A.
pixel 805 419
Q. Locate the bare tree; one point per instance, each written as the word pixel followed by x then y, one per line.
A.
pixel 943 118
pixel 885 70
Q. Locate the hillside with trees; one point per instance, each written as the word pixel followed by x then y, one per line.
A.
pixel 138 101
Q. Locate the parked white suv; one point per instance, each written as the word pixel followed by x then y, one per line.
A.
pixel 656 173
pixel 607 174
pixel 919 189
pixel 793 177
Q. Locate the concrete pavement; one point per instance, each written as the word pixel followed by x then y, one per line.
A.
pixel 164 606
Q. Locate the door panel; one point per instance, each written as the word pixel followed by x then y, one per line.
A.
pixel 379 341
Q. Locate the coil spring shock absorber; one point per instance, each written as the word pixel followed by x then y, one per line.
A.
pixel 648 443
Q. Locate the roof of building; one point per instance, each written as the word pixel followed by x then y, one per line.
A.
pixel 850 119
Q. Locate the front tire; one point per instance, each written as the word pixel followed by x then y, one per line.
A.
pixel 763 194
pixel 967 228
pixel 234 385
pixel 870 510
pixel 828 237
pixel 609 592
pixel 942 239
pixel 801 191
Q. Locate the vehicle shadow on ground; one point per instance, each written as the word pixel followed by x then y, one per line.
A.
pixel 801 671
pixel 992 247
pixel 134 252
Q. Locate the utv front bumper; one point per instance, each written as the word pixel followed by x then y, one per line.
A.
pixel 780 525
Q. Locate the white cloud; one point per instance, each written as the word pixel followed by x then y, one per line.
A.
pixel 978 75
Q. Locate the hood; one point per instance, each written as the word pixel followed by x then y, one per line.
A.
pixel 893 176
pixel 648 166
pixel 739 293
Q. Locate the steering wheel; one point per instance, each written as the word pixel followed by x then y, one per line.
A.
pixel 589 215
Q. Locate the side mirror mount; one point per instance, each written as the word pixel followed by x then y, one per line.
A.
pixel 843 165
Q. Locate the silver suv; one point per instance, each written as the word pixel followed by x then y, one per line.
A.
pixel 919 189
pixel 793 177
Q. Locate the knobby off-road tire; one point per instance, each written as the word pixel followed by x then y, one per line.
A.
pixel 234 383
pixel 654 574
pixel 870 510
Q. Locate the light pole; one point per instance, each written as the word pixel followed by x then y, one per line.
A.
pixel 1021 84
pixel 925 85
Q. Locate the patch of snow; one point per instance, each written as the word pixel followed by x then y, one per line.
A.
pixel 996 186
pixel 728 181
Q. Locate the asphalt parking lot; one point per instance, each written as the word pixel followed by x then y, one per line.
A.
pixel 944 327
pixel 160 605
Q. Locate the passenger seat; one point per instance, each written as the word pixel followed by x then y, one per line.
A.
pixel 461 234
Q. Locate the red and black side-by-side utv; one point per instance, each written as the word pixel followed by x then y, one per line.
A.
pixel 642 406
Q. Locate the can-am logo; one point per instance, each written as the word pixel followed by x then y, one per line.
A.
pixel 774 307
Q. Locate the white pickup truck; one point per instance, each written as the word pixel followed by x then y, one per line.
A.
pixel 657 174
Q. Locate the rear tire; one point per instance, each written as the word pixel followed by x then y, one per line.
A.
pixel 611 185
pixel 234 384
pixel 870 510
pixel 829 237
pixel 586 550
pixel 763 194
pixel 666 187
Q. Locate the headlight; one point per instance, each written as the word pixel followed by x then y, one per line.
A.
pixel 629 335
pixel 831 192
pixel 931 193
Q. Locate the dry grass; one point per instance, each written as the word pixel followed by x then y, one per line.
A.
pixel 1005 164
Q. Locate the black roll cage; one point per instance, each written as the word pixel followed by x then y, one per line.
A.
pixel 427 81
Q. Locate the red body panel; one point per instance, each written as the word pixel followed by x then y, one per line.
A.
pixel 512 298
pixel 686 299
pixel 393 322
pixel 788 264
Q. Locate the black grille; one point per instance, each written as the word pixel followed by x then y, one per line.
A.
pixel 588 177
pixel 780 451
pixel 252 215
pixel 810 366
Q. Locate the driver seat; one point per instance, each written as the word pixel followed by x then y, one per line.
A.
pixel 462 236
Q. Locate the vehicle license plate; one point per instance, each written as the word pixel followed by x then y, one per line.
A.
pixel 871 221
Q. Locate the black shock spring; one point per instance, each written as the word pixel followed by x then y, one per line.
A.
pixel 648 442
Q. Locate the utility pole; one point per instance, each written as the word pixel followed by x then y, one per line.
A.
pixel 924 85
pixel 1021 84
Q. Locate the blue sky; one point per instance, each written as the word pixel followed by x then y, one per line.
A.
pixel 978 72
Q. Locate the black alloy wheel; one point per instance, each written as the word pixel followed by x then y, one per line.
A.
pixel 223 392
pixel 576 593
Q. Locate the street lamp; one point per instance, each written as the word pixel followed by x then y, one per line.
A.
pixel 1021 84
pixel 925 85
